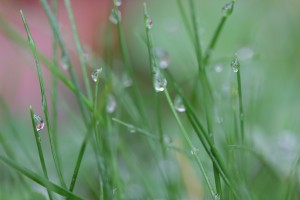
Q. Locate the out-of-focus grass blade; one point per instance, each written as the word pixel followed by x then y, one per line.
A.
pixel 38 179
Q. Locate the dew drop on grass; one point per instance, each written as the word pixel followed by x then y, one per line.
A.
pixel 162 57
pixel 115 16
pixel 235 64
pixel 167 139
pixel 111 104
pixel 131 129
pixel 216 196
pixel 39 122
pixel 126 80
pixel 118 2
pixel 148 22
pixel 218 68
pixel 96 74
pixel 178 104
pixel 194 151
pixel 63 63
pixel 227 9
pixel 160 82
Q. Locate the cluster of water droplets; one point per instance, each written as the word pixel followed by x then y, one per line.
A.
pixel 39 122
pixel 228 8
pixel 178 104
pixel 235 64
pixel 162 57
pixel 160 82
pixel 96 74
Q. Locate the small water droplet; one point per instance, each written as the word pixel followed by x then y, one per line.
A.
pixel 118 3
pixel 39 122
pixel 178 104
pixel 227 9
pixel 167 139
pixel 127 82
pixel 115 16
pixel 235 64
pixel 148 22
pixel 245 53
pixel 194 150
pixel 216 196
pixel 131 129
pixel 111 104
pixel 162 57
pixel 96 74
pixel 160 82
pixel 218 68
pixel 63 63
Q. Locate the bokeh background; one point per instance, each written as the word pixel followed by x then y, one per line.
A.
pixel 264 33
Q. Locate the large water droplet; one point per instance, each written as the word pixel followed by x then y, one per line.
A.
pixel 148 22
pixel 115 16
pixel 118 2
pixel 178 104
pixel 160 82
pixel 96 74
pixel 235 64
pixel 39 122
pixel 111 104
pixel 162 57
pixel 227 9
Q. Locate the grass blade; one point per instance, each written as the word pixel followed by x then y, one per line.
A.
pixel 38 179
pixel 40 150
pixel 44 99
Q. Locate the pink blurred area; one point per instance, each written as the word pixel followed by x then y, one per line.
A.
pixel 19 84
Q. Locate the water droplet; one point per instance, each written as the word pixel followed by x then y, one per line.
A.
pixel 216 196
pixel 194 150
pixel 245 53
pixel 178 104
pixel 39 122
pixel 63 63
pixel 111 104
pixel 131 129
pixel 148 22
pixel 218 68
pixel 167 139
pixel 127 82
pixel 115 16
pixel 162 57
pixel 227 9
pixel 235 64
pixel 118 3
pixel 160 82
pixel 96 74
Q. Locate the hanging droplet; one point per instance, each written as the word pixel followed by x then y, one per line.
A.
pixel 39 122
pixel 228 8
pixel 64 63
pixel 178 104
pixel 160 82
pixel 194 150
pixel 96 74
pixel 115 16
pixel 148 22
pixel 111 104
pixel 118 3
pixel 235 64
pixel 218 68
pixel 162 57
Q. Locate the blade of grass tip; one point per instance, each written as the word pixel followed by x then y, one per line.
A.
pixel 44 99
pixel 38 179
pixel 55 28
pixel 128 66
pixel 184 132
pixel 227 9
pixel 79 49
pixel 40 150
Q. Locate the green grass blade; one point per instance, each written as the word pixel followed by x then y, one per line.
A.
pixel 79 49
pixel 38 179
pixel 44 100
pixel 40 150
